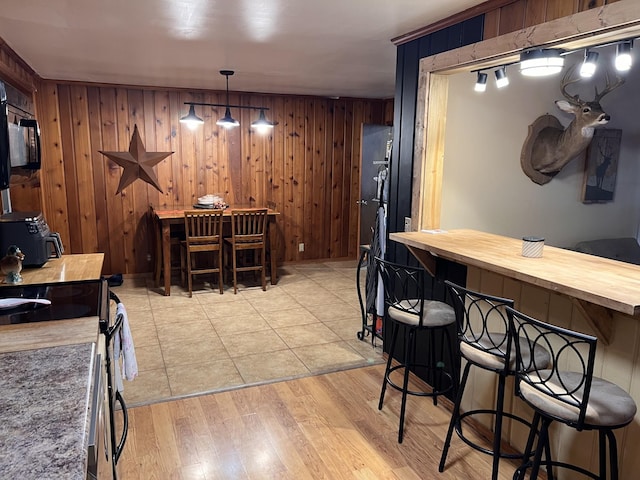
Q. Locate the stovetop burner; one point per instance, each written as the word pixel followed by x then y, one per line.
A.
pixel 68 300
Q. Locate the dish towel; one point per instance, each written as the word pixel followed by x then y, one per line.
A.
pixel 123 346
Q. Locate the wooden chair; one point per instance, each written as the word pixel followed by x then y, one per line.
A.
pixel 248 232
pixel 203 232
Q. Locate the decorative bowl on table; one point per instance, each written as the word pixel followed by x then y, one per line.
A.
pixel 211 201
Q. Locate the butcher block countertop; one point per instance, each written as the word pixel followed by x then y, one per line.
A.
pixel 46 377
pixel 67 268
pixel 599 281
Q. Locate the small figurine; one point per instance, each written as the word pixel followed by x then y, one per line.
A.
pixel 11 265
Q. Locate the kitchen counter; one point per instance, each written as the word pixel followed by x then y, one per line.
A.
pixel 598 286
pixel 67 268
pixel 44 408
pixel 46 378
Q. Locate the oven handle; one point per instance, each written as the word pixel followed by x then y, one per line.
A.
pixel 125 426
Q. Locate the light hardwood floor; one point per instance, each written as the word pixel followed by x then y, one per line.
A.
pixel 321 427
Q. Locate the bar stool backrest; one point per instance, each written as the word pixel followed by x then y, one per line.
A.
pixel 483 324
pixel 567 379
pixel 403 287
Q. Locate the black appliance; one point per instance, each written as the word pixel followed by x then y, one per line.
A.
pixel 30 232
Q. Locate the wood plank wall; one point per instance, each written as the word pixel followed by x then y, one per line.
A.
pixel 308 168
pixel 520 14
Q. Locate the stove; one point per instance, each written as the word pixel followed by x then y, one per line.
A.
pixel 68 300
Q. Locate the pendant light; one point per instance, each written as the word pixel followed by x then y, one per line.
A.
pixel 262 125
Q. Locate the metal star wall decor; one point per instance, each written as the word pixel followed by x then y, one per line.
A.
pixel 137 163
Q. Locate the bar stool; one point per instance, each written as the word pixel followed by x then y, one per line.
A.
pixel 406 305
pixel 486 343
pixel 575 398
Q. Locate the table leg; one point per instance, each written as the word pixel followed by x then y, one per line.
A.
pixel 273 252
pixel 166 257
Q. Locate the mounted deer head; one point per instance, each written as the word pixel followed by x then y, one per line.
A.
pixel 549 146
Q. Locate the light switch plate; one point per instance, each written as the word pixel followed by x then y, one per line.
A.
pixel 407 224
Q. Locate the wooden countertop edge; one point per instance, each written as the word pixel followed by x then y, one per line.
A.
pixel 54 333
pixel 629 309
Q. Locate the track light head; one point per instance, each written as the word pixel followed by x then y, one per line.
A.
pixel 588 67
pixel 623 60
pixel 541 62
pixel 481 82
pixel 501 77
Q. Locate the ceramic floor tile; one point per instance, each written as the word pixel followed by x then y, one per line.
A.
pixel 289 317
pixel 186 332
pixel 206 349
pixel 371 352
pixel 135 303
pixel 334 311
pixel 310 334
pixel 346 329
pixel 254 342
pixel 239 324
pixel 148 387
pixel 263 367
pixel 149 358
pixel 328 356
pixel 203 377
pixel 175 300
pixel 215 298
pixel 320 296
pixel 178 315
pixel 144 334
pixel 139 317
pixel 282 302
pixel 230 309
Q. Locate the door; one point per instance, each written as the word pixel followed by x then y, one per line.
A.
pixel 375 155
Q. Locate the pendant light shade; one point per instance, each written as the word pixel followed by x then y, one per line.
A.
pixel 191 119
pixel 227 121
pixel 262 125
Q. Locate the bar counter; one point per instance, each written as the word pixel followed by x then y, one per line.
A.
pixel 596 285
pixel 574 290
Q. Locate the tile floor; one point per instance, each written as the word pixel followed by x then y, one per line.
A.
pixel 304 325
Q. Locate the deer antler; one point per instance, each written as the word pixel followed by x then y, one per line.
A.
pixel 608 87
pixel 566 81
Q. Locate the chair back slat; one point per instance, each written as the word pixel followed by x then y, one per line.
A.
pixel 567 379
pixel 203 226
pixel 482 321
pixel 249 225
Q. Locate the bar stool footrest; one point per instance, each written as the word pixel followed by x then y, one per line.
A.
pixel 480 448
pixel 433 393
pixel 521 470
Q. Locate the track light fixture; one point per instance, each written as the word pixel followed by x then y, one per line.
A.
pixel 481 82
pixel 501 77
pixel 588 67
pixel 623 56
pixel 192 120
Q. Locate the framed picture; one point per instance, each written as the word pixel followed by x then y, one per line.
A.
pixel 601 166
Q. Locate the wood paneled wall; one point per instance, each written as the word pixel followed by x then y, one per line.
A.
pixel 520 14
pixel 308 168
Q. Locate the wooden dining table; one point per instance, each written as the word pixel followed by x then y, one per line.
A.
pixel 167 218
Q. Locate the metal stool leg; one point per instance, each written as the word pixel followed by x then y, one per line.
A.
pixel 394 337
pixel 454 417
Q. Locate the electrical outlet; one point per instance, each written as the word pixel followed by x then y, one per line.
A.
pixel 148 257
pixel 301 247
pixel 407 224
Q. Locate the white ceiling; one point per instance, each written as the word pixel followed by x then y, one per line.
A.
pixel 333 48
